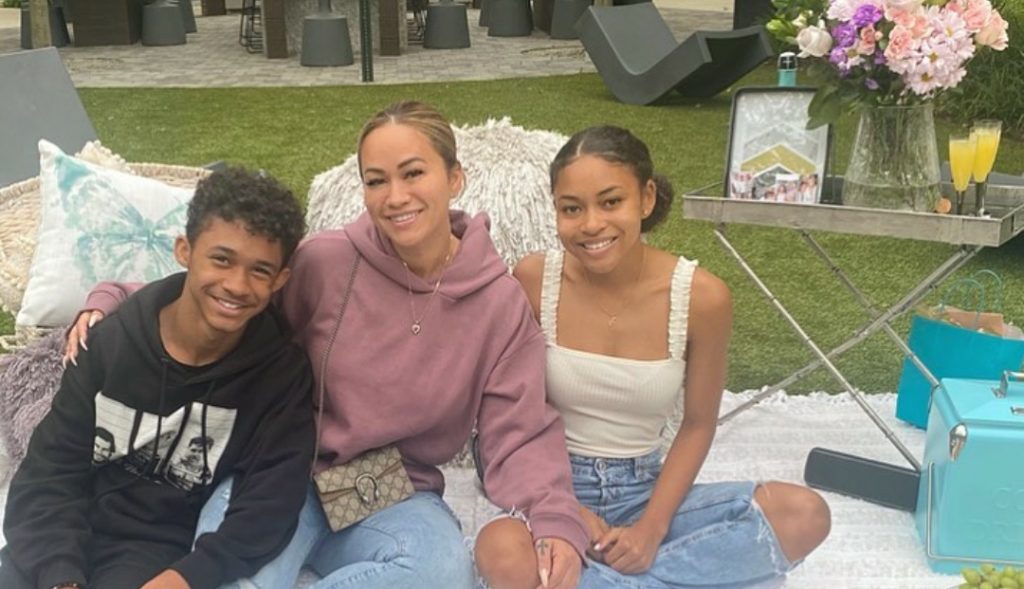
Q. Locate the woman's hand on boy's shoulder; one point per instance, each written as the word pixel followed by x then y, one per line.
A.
pixel 78 335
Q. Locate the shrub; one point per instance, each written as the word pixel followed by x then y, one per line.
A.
pixel 995 79
pixel 12 3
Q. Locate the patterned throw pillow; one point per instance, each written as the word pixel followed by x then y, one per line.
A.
pixel 96 224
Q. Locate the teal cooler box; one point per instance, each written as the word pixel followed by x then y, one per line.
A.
pixel 970 503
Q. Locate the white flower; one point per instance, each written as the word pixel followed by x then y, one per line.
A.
pixel 993 33
pixel 845 9
pixel 903 5
pixel 814 41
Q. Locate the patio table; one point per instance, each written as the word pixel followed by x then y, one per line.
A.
pixel 967 236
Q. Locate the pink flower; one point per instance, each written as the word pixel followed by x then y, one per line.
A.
pixel 936 61
pixel 976 14
pixel 869 37
pixel 993 34
pixel 900 42
pixel 916 22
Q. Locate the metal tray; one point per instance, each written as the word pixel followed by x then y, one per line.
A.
pixel 1005 205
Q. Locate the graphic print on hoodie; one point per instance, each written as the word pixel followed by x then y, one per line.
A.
pixel 134 442
pixel 182 449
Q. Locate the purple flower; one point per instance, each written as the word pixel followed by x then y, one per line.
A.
pixel 867 14
pixel 871 84
pixel 837 56
pixel 880 58
pixel 845 35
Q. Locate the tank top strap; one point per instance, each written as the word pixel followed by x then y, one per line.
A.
pixel 549 293
pixel 679 307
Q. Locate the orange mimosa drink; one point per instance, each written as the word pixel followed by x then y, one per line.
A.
pixel 986 136
pixel 985 156
pixel 961 160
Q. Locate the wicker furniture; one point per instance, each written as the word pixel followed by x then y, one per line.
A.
pixel 107 22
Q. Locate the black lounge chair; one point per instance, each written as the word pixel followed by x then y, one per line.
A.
pixel 37 101
pixel 641 61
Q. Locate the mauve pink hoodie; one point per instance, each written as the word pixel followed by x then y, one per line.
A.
pixel 479 358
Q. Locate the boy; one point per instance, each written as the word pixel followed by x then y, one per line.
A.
pixel 192 380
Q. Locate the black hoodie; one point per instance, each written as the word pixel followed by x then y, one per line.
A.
pixel 135 443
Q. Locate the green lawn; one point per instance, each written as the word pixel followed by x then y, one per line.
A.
pixel 295 133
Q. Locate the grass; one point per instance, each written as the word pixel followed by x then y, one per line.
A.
pixel 295 133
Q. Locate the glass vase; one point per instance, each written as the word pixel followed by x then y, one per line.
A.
pixel 894 163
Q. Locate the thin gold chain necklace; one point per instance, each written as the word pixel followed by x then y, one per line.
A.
pixel 629 299
pixel 416 326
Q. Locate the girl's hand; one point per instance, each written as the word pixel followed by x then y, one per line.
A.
pixel 630 550
pixel 597 527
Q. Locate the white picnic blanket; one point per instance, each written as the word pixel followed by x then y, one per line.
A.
pixel 870 547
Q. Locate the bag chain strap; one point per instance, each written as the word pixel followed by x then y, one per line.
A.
pixel 327 352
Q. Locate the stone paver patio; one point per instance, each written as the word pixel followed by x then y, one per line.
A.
pixel 213 58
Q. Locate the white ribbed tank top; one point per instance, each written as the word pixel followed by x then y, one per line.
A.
pixel 614 407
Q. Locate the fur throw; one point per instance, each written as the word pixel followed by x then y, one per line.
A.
pixel 28 380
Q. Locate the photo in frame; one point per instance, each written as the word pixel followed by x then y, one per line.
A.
pixel 772 156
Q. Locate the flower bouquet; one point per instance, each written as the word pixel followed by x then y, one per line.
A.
pixel 886 52
pixel 889 58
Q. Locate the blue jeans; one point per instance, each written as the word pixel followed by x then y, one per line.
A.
pixel 719 537
pixel 415 543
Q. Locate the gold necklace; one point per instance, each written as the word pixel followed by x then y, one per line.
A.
pixel 629 299
pixel 416 326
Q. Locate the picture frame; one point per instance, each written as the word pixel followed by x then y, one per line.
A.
pixel 771 154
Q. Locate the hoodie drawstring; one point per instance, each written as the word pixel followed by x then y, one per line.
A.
pixel 206 461
pixel 154 461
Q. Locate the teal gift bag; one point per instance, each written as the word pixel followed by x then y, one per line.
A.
pixel 952 351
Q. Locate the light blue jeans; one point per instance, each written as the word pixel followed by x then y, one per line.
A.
pixel 718 539
pixel 415 543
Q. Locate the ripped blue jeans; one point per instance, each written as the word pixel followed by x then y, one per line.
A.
pixel 718 539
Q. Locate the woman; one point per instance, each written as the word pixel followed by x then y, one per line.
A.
pixel 627 325
pixel 436 338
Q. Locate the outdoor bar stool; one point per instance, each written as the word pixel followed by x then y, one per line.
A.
pixel 542 12
pixel 564 17
pixel 162 24
pixel 509 18
pixel 485 13
pixel 325 38
pixel 447 26
pixel 58 26
pixel 250 28
pixel 188 15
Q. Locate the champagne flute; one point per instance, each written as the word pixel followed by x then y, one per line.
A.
pixel 986 134
pixel 962 146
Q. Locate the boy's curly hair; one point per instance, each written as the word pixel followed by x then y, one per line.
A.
pixel 259 201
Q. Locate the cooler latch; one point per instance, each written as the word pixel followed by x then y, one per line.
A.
pixel 1004 383
pixel 957 439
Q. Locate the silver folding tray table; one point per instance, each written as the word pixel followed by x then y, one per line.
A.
pixel 968 234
